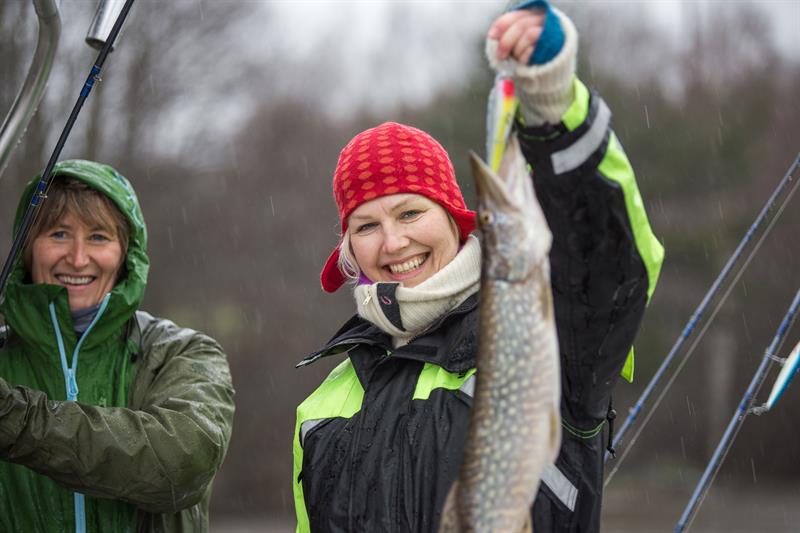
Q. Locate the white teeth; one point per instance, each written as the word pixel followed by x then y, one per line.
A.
pixel 75 280
pixel 408 266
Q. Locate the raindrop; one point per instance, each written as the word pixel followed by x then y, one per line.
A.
pixel 746 329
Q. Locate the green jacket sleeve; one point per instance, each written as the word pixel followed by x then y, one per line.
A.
pixel 159 454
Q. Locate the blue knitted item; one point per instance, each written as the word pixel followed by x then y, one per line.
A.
pixel 552 38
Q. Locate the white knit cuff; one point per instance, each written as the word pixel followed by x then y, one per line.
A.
pixel 544 91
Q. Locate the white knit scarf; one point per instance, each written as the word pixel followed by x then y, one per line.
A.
pixel 422 305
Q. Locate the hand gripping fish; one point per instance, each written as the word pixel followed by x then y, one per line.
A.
pixel 515 427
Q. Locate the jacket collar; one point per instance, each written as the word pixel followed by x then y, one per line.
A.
pixel 451 342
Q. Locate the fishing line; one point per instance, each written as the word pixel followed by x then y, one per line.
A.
pixel 736 423
pixel 699 337
pixel 698 314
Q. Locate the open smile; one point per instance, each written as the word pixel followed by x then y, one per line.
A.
pixel 75 281
pixel 409 266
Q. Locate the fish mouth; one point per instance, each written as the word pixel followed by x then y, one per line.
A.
pixel 503 190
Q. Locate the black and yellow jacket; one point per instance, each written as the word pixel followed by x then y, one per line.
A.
pixel 379 443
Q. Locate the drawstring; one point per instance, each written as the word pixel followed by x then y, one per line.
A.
pixel 610 416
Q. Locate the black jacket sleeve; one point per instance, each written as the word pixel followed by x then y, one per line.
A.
pixel 599 276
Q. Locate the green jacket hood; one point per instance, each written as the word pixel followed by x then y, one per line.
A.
pixel 26 305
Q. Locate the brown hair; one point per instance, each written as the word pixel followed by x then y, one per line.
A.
pixel 74 197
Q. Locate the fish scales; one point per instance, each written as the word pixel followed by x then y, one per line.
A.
pixel 514 429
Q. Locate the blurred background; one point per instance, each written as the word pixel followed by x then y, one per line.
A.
pixel 228 117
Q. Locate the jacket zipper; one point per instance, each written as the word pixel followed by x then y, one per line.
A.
pixel 71 384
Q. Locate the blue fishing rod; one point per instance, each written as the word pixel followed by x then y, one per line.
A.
pixel 745 408
pixel 698 317
pixel 40 194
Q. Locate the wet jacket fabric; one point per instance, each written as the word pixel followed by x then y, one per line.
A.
pixel 379 443
pixel 150 408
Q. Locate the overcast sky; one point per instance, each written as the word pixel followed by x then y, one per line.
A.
pixel 375 54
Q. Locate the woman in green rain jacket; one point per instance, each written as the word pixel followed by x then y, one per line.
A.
pixel 111 420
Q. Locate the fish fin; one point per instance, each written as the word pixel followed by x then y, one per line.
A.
pixel 546 294
pixel 555 434
pixel 528 528
pixel 449 522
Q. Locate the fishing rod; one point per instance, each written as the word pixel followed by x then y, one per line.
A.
pixel 32 90
pixel 698 316
pixel 745 408
pixel 40 194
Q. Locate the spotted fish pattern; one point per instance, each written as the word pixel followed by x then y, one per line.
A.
pixel 515 427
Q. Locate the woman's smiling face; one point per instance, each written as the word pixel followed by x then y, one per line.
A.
pixel 402 238
pixel 84 259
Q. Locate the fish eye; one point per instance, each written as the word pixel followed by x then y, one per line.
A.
pixel 486 217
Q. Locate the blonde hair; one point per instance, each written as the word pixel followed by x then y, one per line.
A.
pixel 347 262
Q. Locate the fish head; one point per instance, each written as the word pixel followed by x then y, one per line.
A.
pixel 514 232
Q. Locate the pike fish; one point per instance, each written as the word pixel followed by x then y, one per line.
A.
pixel 515 426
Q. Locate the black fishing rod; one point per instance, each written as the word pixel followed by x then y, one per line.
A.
pixel 698 316
pixel 744 408
pixel 40 194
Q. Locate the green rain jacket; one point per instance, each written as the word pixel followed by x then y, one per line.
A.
pixel 122 429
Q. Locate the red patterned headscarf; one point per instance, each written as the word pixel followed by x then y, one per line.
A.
pixel 392 159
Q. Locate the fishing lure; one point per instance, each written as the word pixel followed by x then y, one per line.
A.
pixel 500 111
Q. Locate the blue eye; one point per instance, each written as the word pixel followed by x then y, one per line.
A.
pixel 98 237
pixel 411 213
pixel 58 234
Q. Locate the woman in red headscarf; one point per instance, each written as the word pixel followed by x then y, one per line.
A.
pixel 379 443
